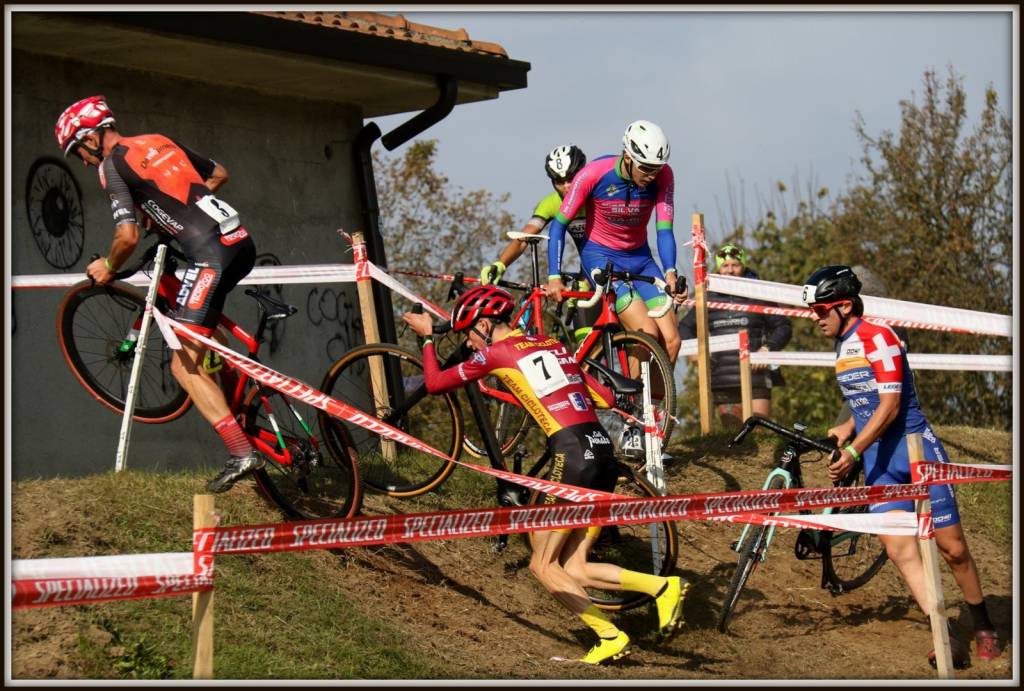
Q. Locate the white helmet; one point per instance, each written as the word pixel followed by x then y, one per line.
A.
pixel 646 143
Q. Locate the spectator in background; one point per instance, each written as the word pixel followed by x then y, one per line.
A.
pixel 871 284
pixel 766 332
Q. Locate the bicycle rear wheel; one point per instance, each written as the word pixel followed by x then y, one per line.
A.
pixel 630 349
pixel 93 326
pixel 644 547
pixel 752 553
pixel 851 559
pixel 320 481
pixel 387 466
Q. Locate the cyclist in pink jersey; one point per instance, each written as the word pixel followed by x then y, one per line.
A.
pixel 619 194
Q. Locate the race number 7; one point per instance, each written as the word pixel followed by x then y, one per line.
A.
pixel 220 211
pixel 543 373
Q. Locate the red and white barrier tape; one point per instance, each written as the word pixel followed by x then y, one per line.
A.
pixel 85 581
pixel 919 361
pixel 733 506
pixel 892 312
pixel 311 396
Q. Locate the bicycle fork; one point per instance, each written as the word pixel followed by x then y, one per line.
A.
pixel 787 483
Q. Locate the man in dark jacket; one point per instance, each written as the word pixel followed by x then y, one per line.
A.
pixel 765 332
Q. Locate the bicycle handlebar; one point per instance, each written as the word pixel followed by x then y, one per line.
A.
pixel 756 420
pixel 603 277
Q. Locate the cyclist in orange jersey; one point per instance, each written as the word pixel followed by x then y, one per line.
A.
pixel 174 188
pixel 561 397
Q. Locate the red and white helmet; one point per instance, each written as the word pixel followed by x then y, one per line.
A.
pixel 479 302
pixel 81 118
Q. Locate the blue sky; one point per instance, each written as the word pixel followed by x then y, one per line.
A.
pixel 751 97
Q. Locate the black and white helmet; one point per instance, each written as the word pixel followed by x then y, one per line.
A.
pixel 646 143
pixel 564 162
pixel 831 284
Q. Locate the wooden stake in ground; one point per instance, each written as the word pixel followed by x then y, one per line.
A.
pixel 378 377
pixel 930 557
pixel 746 388
pixel 700 296
pixel 202 602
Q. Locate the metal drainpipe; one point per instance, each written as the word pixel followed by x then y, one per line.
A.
pixel 448 88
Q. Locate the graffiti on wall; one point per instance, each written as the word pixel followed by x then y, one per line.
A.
pixel 336 314
pixel 53 201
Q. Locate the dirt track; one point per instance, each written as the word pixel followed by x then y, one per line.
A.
pixel 485 616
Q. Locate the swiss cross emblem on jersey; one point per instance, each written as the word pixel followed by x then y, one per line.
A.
pixel 884 352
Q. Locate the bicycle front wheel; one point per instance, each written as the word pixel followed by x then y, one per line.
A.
pixel 310 471
pixel 643 547
pixel 93 327
pixel 630 348
pixel 385 382
pixel 752 553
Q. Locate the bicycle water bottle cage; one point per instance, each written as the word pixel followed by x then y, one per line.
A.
pixel 620 384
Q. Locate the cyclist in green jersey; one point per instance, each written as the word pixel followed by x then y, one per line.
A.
pixel 561 165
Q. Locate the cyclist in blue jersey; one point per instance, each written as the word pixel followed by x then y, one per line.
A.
pixel 878 384
pixel 619 194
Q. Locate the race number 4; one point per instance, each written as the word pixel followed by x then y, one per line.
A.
pixel 220 211
pixel 543 373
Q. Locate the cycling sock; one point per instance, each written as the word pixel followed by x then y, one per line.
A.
pixel 979 615
pixel 599 622
pixel 637 582
pixel 233 436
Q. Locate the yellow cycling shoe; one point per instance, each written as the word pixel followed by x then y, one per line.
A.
pixel 608 649
pixel 670 607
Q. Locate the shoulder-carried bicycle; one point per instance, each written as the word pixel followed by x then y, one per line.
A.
pixel 848 559
pixel 311 470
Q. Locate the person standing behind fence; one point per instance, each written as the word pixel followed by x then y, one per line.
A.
pixel 766 332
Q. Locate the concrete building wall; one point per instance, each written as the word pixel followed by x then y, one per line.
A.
pixel 290 194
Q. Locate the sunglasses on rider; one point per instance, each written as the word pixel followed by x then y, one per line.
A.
pixel 822 309
pixel 734 252
pixel 648 170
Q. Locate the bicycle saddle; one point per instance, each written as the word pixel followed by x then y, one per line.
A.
pixel 525 237
pixel 620 384
pixel 274 307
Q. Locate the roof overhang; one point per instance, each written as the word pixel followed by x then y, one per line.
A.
pixel 266 54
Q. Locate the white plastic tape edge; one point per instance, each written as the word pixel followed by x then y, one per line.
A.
pixel 952 317
pixel 167 564
pixel 311 273
pixel 918 361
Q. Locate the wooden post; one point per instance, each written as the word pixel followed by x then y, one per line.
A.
pixel 202 602
pixel 703 352
pixel 746 389
pixel 371 333
pixel 930 558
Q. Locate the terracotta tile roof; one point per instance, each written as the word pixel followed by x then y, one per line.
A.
pixel 393 26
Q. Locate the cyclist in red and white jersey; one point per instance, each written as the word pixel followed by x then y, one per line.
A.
pixel 876 380
pixel 174 188
pixel 547 380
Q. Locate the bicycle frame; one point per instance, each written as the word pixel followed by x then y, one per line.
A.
pixel 272 446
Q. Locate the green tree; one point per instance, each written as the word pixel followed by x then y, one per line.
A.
pixel 432 226
pixel 933 215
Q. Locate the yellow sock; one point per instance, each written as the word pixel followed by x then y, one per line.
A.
pixel 641 582
pixel 599 622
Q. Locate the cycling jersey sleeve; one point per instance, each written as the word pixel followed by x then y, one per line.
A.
pixel 883 352
pixel 440 381
pixel 122 206
pixel 578 192
pixel 203 165
pixel 663 210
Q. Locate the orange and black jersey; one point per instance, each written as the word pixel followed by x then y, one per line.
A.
pixel 538 370
pixel 166 181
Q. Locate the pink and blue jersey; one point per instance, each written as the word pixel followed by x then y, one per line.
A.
pixel 617 211
pixel 870 361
